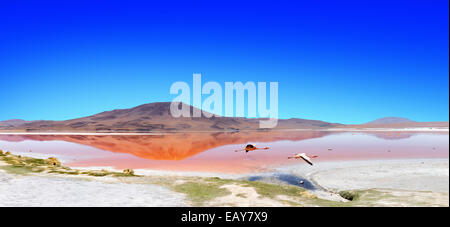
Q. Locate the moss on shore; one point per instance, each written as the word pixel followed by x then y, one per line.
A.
pixel 27 165
pixel 202 190
pixel 350 195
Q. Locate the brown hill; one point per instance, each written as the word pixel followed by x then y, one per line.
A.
pixel 434 124
pixel 391 120
pixel 12 123
pixel 156 117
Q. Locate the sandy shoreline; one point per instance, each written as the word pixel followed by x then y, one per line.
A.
pixel 423 181
pixel 403 174
pixel 406 182
pixel 419 129
pixel 68 191
pixel 412 129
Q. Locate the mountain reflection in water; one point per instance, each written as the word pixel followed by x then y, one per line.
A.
pixel 215 151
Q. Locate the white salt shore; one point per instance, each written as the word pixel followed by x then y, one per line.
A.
pixel 415 179
pixel 40 191
pixel 404 174
pixel 411 129
pixel 415 129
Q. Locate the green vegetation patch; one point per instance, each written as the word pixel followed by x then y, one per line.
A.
pixel 242 195
pixel 34 161
pixel 25 165
pixel 350 195
pixel 273 190
pixel 20 170
pixel 200 192
pixel 69 172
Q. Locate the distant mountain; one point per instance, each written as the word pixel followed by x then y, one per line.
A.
pixel 391 120
pixel 156 117
pixel 398 122
pixel 12 123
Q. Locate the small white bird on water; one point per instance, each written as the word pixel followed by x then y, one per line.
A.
pixel 304 157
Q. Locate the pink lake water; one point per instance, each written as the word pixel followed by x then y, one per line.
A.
pixel 214 152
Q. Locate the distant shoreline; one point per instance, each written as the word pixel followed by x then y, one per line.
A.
pixel 414 129
pixel 424 180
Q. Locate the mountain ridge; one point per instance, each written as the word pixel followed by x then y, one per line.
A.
pixel 391 120
pixel 155 117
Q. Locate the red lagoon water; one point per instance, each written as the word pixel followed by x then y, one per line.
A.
pixel 214 152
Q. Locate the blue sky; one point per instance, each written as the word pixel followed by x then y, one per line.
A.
pixel 337 61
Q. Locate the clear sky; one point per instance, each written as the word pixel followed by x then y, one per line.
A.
pixel 337 61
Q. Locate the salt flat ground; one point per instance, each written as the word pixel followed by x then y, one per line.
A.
pixel 419 175
pixel 407 182
pixel 406 174
pixel 413 182
pixel 58 191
